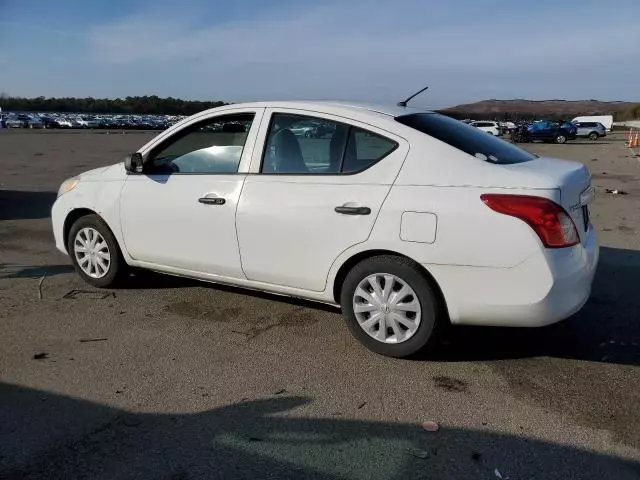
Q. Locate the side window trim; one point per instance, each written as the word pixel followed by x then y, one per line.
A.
pixel 188 130
pixel 340 172
pixel 344 151
pixel 247 150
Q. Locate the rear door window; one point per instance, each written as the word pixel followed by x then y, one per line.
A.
pixel 466 138
pixel 303 145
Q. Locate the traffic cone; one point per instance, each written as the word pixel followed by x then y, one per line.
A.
pixel 635 140
pixel 630 137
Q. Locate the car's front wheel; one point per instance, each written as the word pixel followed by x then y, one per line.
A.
pixel 390 305
pixel 561 138
pixel 593 136
pixel 94 252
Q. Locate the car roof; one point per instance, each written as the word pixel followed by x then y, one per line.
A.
pixel 332 105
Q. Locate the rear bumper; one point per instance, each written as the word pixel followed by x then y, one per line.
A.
pixel 546 288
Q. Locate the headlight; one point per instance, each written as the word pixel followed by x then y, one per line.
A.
pixel 68 185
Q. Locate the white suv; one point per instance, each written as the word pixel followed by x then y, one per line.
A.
pixel 492 128
pixel 407 219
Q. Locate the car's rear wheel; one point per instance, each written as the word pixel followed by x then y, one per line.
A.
pixel 561 138
pixel 94 252
pixel 390 305
pixel 593 136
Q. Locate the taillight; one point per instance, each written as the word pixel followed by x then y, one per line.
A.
pixel 549 220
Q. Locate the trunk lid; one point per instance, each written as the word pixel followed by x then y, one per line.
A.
pixel 572 179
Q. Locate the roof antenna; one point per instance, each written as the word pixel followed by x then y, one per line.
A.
pixel 404 104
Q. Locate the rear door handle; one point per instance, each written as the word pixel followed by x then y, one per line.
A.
pixel 352 210
pixel 212 200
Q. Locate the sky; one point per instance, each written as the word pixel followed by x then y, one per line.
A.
pixel 363 50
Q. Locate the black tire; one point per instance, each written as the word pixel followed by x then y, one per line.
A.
pixel 117 266
pixel 593 136
pixel 410 273
pixel 308 134
pixel 561 138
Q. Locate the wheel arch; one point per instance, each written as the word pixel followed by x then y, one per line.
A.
pixel 74 215
pixel 352 261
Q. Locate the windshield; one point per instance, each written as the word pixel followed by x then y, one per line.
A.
pixel 467 138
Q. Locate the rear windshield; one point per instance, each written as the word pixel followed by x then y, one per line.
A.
pixel 467 138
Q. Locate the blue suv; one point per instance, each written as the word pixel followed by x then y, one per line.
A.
pixel 552 131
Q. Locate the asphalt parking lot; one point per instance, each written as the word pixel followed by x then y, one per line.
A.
pixel 173 379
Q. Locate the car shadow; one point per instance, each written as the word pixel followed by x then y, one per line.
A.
pixel 23 205
pixel 605 330
pixel 145 279
pixel 51 436
pixel 8 271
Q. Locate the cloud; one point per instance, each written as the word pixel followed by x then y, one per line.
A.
pixel 377 52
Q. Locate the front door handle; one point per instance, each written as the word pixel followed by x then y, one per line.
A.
pixel 352 210
pixel 212 200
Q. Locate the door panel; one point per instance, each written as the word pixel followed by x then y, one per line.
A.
pixel 290 233
pixel 164 221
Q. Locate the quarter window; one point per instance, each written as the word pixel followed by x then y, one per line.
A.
pixel 364 149
pixel 298 144
pixel 212 146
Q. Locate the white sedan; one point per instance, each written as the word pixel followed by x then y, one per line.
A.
pixel 492 128
pixel 406 219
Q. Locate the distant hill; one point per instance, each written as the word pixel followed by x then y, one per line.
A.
pixel 519 108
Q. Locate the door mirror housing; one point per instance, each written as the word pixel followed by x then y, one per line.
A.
pixel 133 163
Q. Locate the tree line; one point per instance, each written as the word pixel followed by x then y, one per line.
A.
pixel 148 104
pixel 152 104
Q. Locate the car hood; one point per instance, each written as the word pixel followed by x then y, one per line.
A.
pixel 115 171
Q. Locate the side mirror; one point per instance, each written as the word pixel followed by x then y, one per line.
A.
pixel 133 163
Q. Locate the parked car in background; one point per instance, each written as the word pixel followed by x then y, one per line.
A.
pixel 63 123
pixel 13 122
pixel 354 219
pixel 305 129
pixel 507 127
pixel 591 130
pixel 605 120
pixel 34 122
pixel 30 121
pixel 552 131
pixel 492 128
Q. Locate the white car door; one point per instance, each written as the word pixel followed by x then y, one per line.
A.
pixel 310 197
pixel 179 213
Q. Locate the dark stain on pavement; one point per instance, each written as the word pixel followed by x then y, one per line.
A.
pixel 203 312
pixel 597 396
pixel 299 317
pixel 450 384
